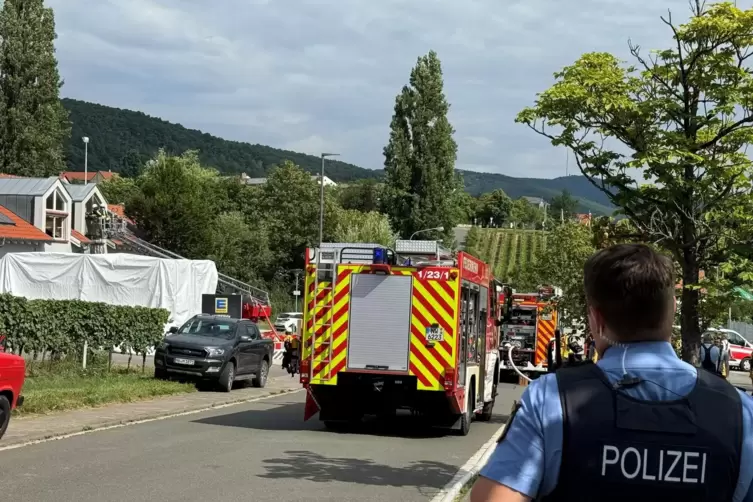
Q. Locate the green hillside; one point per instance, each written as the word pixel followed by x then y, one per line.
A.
pixel 506 251
pixel 124 139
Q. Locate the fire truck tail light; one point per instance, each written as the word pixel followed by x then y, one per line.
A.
pixel 449 378
pixel 305 370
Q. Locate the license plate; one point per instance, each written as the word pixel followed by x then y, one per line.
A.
pixel 187 362
pixel 434 334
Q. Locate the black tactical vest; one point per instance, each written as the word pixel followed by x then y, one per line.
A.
pixel 617 448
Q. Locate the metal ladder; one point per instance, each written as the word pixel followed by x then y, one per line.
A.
pixel 327 324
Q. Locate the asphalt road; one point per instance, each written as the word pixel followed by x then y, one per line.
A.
pixel 258 451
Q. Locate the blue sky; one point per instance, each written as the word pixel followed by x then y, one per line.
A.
pixel 322 75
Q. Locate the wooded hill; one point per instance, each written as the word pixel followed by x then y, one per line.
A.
pixel 125 139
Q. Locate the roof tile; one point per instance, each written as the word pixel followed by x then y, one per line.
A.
pixel 20 229
pixel 80 237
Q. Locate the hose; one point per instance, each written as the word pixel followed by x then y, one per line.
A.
pixel 509 358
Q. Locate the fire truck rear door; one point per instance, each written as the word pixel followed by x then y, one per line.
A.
pixel 379 322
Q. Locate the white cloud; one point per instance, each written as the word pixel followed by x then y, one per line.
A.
pixel 315 75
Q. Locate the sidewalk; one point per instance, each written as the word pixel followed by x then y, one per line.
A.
pixel 24 430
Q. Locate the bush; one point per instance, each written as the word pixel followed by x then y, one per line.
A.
pixel 62 326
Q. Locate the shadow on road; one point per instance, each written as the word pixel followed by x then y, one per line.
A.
pixel 314 467
pixel 288 416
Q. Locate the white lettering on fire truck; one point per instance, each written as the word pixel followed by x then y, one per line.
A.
pixel 469 265
pixel 671 466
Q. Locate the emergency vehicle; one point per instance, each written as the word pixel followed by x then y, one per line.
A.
pixel 528 326
pixel 413 328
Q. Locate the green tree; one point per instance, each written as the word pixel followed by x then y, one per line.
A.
pixel 289 205
pixel 119 190
pixel 355 226
pixel 494 208
pixel 363 195
pixel 526 215
pixel 131 165
pixel 682 117
pixel 177 204
pixel 563 206
pixel 240 250
pixel 569 245
pixel 422 188
pixel 33 123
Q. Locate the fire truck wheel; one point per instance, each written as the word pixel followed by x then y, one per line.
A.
pixel 227 377
pixel 486 413
pixel 467 417
pixel 4 414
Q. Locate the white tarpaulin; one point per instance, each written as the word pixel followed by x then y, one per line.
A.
pixel 117 279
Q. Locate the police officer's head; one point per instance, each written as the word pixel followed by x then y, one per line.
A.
pixel 630 291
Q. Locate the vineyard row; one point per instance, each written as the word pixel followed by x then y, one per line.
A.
pixel 509 251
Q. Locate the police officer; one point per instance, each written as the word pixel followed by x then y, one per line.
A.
pixel 710 354
pixel 640 424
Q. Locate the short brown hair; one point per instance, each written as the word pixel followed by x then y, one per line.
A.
pixel 633 288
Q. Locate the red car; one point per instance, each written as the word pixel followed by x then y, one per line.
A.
pixel 12 375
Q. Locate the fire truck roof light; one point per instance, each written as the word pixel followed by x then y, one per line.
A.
pixel 417 247
pixel 380 256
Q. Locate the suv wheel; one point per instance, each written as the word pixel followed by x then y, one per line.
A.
pixel 261 375
pixel 227 377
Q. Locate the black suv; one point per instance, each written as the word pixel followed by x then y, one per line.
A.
pixel 215 348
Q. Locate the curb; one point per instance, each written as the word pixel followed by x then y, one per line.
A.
pixel 467 474
pixel 148 417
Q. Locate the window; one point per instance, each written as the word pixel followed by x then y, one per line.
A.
pixel 55 226
pixel 56 201
pixel 208 327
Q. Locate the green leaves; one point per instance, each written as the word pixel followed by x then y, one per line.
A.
pixel 62 326
pixel 34 125
pixel 422 190
pixel 679 119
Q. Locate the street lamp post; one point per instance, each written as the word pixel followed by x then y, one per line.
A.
pixel 86 159
pixel 321 198
pixel 438 229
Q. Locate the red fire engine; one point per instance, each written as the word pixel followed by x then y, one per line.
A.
pixel 415 328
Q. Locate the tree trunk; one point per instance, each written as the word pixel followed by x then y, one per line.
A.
pixel 689 319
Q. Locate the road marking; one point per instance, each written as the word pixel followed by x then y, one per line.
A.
pixel 146 420
pixel 452 489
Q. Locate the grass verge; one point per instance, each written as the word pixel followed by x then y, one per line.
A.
pixel 64 386
pixel 464 492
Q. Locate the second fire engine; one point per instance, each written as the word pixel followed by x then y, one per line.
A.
pixel 528 324
pixel 415 328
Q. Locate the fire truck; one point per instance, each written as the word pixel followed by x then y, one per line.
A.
pixel 528 326
pixel 414 328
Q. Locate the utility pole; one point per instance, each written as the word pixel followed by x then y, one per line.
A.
pixel 297 291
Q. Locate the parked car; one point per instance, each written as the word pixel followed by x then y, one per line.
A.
pixel 288 321
pixel 215 348
pixel 12 376
pixel 740 349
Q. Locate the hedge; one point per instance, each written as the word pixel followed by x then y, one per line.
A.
pixel 62 326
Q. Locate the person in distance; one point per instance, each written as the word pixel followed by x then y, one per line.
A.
pixel 640 424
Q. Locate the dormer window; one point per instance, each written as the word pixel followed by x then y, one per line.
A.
pixel 56 201
pixel 57 213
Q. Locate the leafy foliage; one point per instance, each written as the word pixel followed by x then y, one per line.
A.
pixel 568 247
pixel 62 326
pixel 371 227
pixel 421 186
pixel 33 123
pixel 563 206
pixel 683 119
pixel 494 208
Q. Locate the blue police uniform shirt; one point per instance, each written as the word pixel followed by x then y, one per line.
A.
pixel 528 460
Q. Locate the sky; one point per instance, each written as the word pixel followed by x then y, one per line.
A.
pixel 321 75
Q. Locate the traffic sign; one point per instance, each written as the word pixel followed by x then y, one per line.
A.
pixel 296 293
